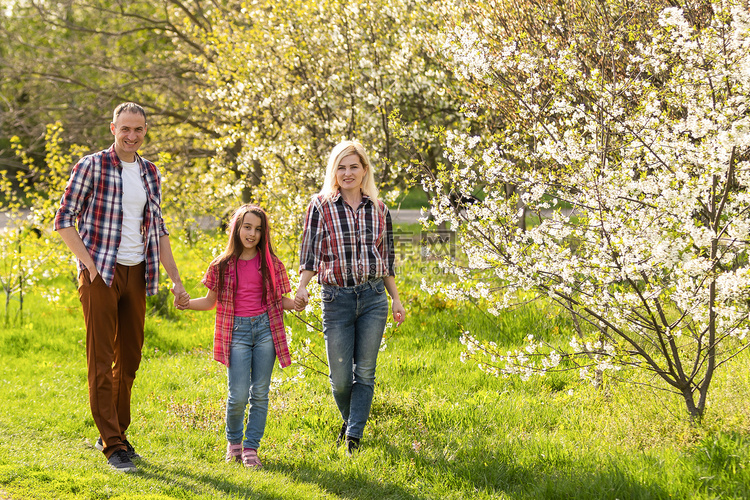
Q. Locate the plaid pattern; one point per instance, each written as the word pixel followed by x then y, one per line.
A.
pixel 225 310
pixel 347 247
pixel 93 201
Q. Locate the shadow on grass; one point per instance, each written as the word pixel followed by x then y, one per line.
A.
pixel 720 459
pixel 500 477
pixel 347 485
pixel 179 481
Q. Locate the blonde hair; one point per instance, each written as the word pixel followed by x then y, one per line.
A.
pixel 342 149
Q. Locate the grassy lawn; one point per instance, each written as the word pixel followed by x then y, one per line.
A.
pixel 440 428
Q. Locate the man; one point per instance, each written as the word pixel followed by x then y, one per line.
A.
pixel 114 199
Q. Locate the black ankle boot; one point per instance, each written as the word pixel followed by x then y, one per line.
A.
pixel 342 435
pixel 352 445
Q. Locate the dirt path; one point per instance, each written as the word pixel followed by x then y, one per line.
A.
pixel 4 219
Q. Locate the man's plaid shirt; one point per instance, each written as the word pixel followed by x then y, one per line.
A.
pixel 93 201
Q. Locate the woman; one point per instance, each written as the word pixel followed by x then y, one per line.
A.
pixel 348 241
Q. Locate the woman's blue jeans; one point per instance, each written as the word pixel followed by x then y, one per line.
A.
pixel 251 359
pixel 353 323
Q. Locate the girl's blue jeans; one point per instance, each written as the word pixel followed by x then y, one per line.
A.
pixel 251 359
pixel 353 323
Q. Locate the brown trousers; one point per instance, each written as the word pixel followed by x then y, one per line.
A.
pixel 115 318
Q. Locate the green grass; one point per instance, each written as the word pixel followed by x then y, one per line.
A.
pixel 413 198
pixel 439 428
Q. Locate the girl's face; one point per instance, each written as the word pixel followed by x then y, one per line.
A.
pixel 350 173
pixel 251 232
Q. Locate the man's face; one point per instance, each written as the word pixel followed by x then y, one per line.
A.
pixel 129 130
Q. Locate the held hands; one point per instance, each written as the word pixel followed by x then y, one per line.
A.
pixel 181 297
pixel 182 304
pixel 301 299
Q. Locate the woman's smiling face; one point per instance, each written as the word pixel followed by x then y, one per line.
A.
pixel 350 173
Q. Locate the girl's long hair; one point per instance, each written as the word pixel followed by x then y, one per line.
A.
pixel 234 249
pixel 342 149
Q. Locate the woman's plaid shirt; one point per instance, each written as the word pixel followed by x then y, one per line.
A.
pixel 347 247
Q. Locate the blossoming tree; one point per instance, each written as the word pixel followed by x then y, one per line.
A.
pixel 284 83
pixel 642 133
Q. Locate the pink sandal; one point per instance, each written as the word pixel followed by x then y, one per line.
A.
pixel 234 452
pixel 250 458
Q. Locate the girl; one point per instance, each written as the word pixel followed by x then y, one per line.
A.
pixel 246 283
pixel 348 241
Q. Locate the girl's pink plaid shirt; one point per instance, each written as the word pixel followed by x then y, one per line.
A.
pixel 225 310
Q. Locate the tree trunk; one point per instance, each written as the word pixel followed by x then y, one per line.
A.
pixel 695 411
pixel 252 183
pixel 7 306
pixel 21 278
pixel 510 190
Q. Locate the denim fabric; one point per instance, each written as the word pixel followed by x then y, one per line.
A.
pixel 251 360
pixel 353 323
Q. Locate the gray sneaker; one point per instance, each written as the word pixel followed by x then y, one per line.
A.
pixel 120 462
pixel 132 454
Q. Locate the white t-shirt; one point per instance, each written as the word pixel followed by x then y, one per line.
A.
pixel 131 251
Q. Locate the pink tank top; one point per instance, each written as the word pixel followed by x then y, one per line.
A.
pixel 248 299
